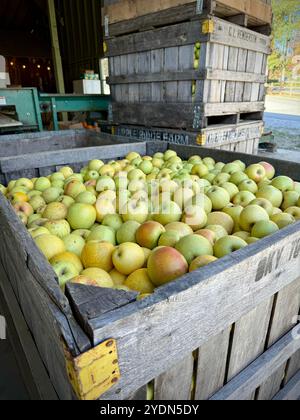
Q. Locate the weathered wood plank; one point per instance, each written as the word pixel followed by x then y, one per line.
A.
pixel 176 383
pixel 291 392
pixel 254 374
pixel 269 265
pixel 211 367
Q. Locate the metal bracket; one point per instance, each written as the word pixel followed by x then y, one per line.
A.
pixel 208 27
pixel 201 139
pixel 94 372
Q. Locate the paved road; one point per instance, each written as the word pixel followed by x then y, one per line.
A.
pixel 283 105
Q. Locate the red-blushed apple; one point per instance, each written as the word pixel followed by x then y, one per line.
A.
pixel 128 257
pixel 208 234
pixel 181 228
pixel 201 261
pixel 74 188
pixel 139 281
pixel 98 254
pixel 50 245
pixel 81 216
pixel 256 172
pixel 55 211
pixel 227 245
pixel 194 246
pixel 294 211
pixel 251 215
pixel 166 264
pixel 264 228
pixel 101 277
pixel 270 170
pixel 24 208
pixel 148 234
pixel 221 219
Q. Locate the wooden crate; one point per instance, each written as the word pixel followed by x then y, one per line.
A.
pixel 154 81
pixel 127 16
pixel 228 331
pixel 243 137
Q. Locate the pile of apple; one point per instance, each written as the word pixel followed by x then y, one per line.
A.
pixel 141 222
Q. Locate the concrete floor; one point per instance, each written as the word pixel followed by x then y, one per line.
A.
pixel 11 384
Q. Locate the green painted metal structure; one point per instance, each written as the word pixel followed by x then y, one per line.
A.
pixel 30 105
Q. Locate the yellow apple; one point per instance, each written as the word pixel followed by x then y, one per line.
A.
pixel 128 257
pixel 139 281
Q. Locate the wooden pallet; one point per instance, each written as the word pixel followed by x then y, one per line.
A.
pixel 123 17
pixel 229 329
pixel 243 137
pixel 154 83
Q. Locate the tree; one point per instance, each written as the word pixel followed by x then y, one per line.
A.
pixel 285 24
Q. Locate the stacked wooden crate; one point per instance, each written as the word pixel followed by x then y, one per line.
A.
pixel 177 65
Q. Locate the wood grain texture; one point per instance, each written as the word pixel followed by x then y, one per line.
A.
pixel 291 392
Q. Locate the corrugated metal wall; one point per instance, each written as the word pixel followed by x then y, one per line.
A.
pixel 81 41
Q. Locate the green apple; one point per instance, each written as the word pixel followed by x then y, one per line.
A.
pixel 290 199
pixel 42 184
pixel 283 220
pixel 221 219
pixel 58 184
pixel 51 194
pixel 238 177
pixel 234 212
pixel 241 164
pixel 231 168
pixel 272 194
pixel 146 167
pixel 127 232
pixel 227 245
pixel 270 170
pixel 91 175
pixel 84 233
pixel 209 178
pixel 219 166
pixel 136 175
pixel 136 211
pixel 102 233
pixel 65 272
pixel 251 215
pixel 59 228
pixel 218 230
pixel 195 217
pixel 231 188
pixel 194 246
pixel 248 185
pixel 169 212
pixel 251 240
pixel 57 176
pixel 95 165
pixel 181 228
pixel 221 179
pixel 243 198
pixel 242 235
pixel 66 171
pixel 183 196
pixel 209 162
pixel 37 202
pixel 66 200
pixel 169 154
pixel 128 257
pixel 294 211
pixel 105 183
pixel 193 160
pixel 55 211
pixel 74 188
pixel 203 201
pixel 297 187
pixel 200 170
pixel 219 197
pixel 170 238
pixel 264 228
pixel 33 218
pixel 113 221
pixel 81 216
pixel 25 183
pixel 86 197
pixel 33 193
pixel 265 204
pixel 283 183
pixel 38 231
pixel 256 172
pixel 74 244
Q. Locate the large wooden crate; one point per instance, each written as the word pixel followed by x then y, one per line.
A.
pixel 126 16
pixel 228 331
pixel 243 137
pixel 154 81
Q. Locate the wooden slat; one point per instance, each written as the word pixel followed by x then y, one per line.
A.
pixel 176 383
pixel 254 374
pixel 284 318
pixel 273 262
pixel 291 392
pixel 211 367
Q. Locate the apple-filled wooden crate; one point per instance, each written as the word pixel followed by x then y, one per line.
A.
pixel 190 71
pixel 227 331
